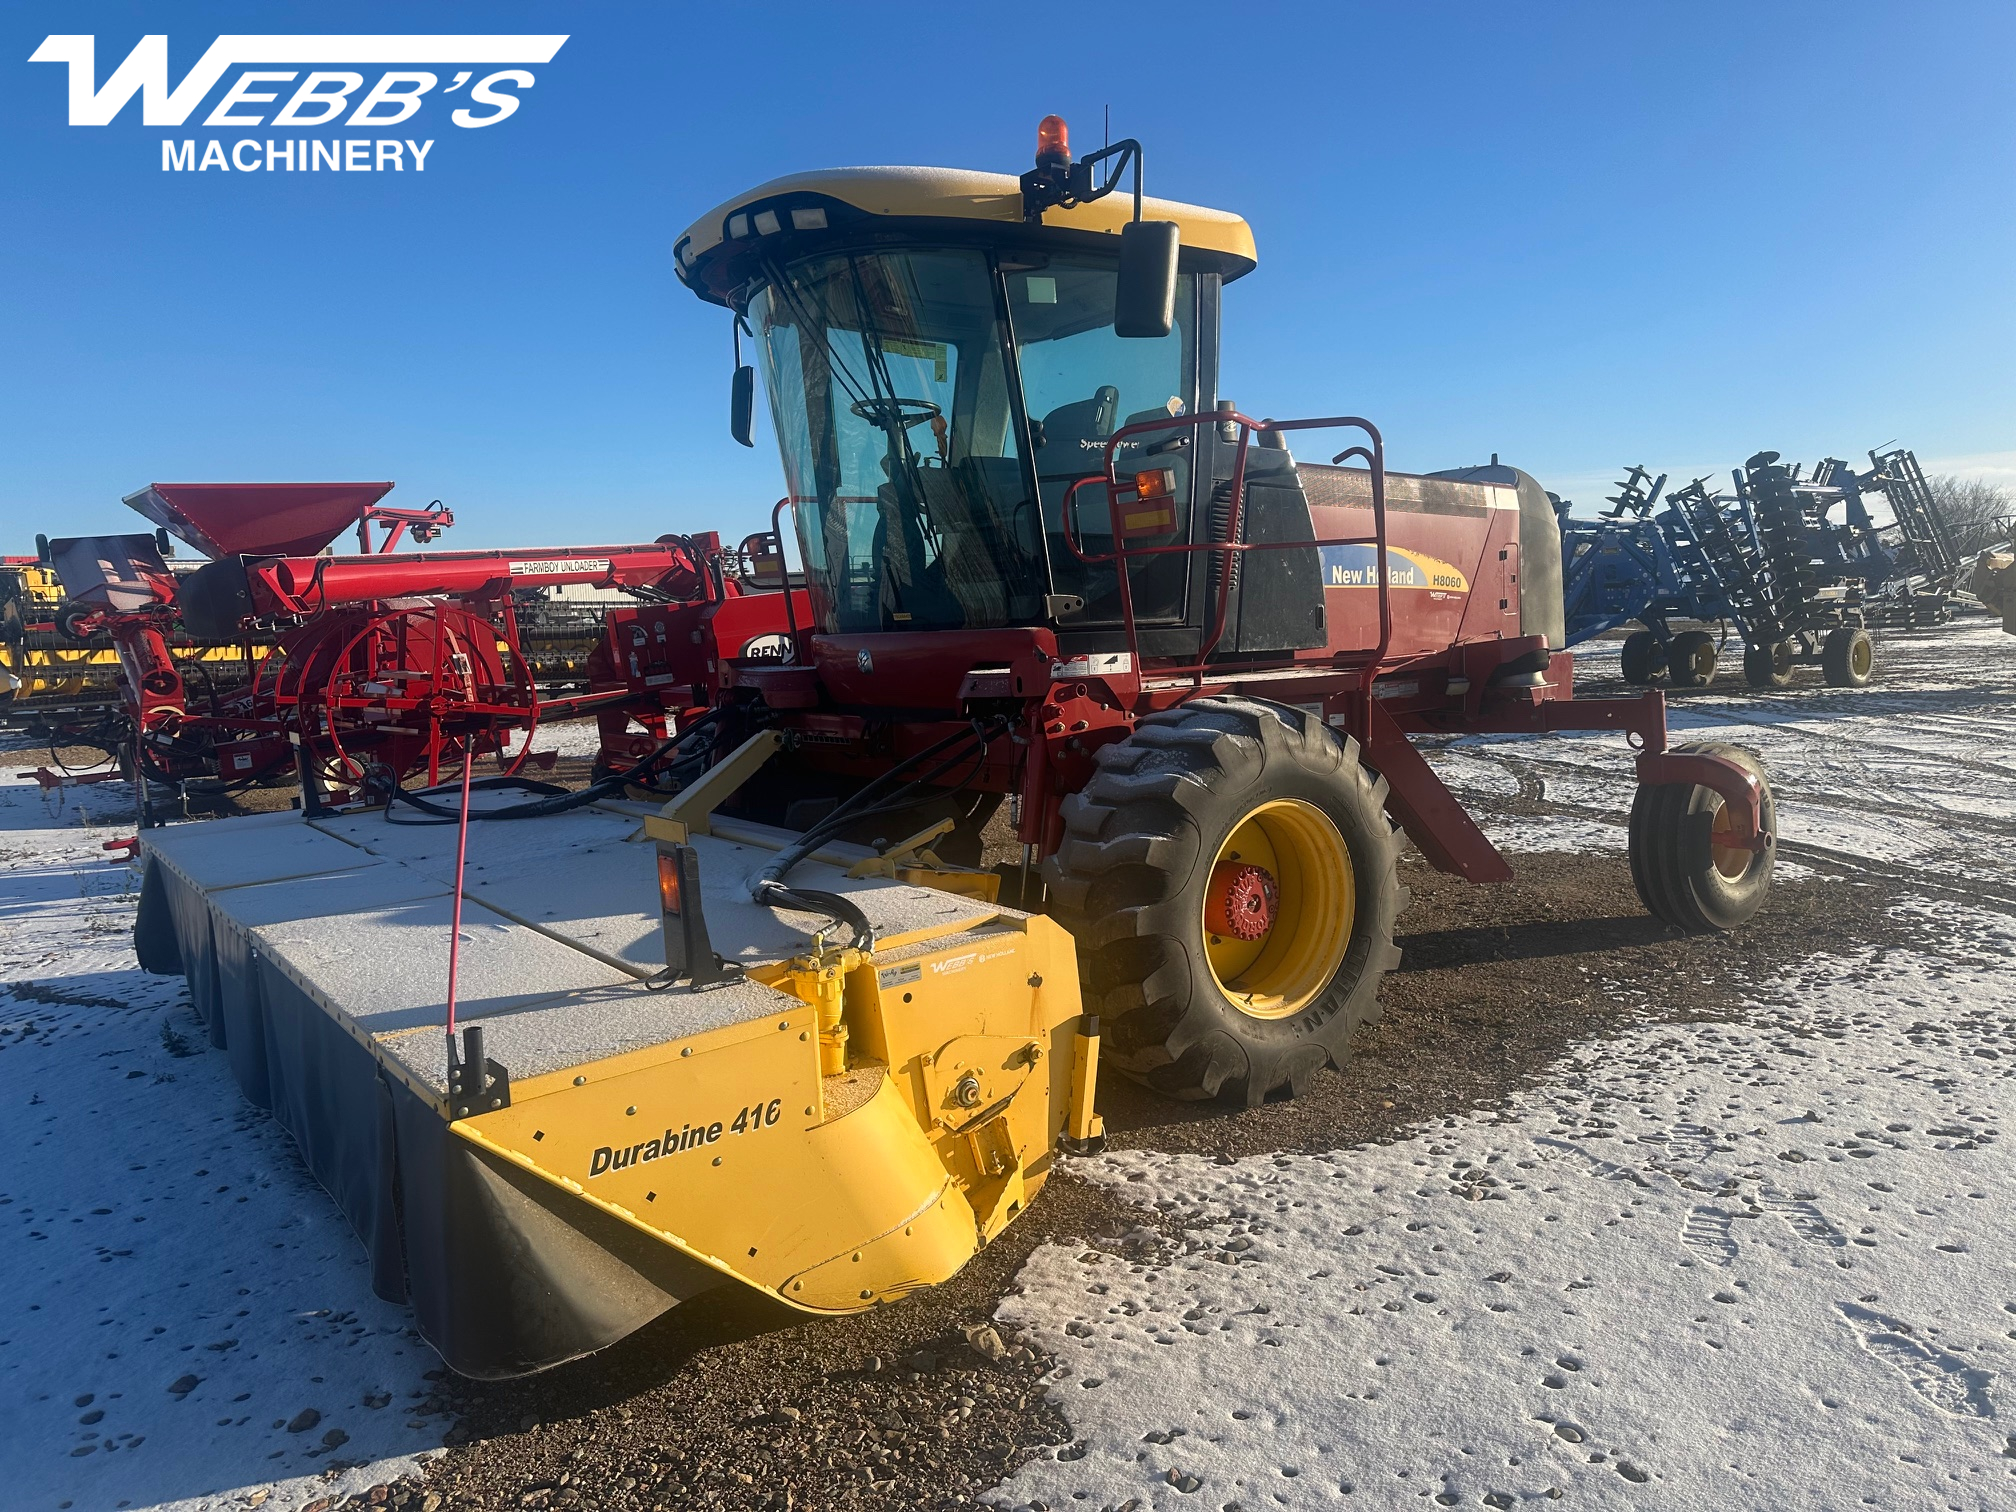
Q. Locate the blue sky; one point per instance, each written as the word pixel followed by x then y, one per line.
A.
pixel 1579 236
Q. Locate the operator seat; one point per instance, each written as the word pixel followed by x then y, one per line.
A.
pixel 961 582
pixel 911 578
pixel 1074 435
pixel 967 567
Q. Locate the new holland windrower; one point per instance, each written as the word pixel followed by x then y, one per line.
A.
pixel 1190 662
pixel 777 1031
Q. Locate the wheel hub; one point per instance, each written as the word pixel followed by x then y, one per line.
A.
pixel 1240 900
pixel 1278 907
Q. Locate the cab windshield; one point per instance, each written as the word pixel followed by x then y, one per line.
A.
pixel 903 442
pixel 888 379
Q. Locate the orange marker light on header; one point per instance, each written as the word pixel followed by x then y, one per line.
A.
pixel 668 881
pixel 1053 141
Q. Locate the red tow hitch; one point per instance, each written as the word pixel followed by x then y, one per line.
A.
pixel 49 779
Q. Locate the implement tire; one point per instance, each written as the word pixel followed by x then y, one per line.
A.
pixel 1264 818
pixel 1847 657
pixel 1768 666
pixel 1683 877
pixel 1691 659
pixel 1641 658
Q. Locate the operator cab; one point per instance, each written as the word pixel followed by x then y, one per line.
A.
pixel 944 357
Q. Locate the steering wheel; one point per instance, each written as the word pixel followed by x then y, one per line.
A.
pixel 907 413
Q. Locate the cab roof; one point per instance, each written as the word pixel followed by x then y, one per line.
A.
pixel 717 250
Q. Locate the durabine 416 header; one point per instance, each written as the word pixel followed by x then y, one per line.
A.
pixel 290 93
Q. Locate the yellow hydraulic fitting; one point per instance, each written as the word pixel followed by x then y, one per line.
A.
pixel 820 978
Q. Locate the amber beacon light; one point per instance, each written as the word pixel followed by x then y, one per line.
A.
pixel 1053 141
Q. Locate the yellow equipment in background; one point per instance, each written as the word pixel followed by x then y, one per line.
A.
pixel 35 662
pixel 41 666
pixel 1994 583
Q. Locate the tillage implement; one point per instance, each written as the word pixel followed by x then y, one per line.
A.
pixel 1772 561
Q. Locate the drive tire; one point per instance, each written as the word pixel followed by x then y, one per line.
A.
pixel 1640 658
pixel 1690 659
pixel 1768 666
pixel 1675 865
pixel 1847 657
pixel 1144 841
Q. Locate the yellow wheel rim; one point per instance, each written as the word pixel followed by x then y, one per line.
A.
pixel 1730 860
pixel 1861 657
pixel 1302 937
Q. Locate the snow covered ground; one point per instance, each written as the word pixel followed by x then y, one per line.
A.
pixel 185 1318
pixel 1913 776
pixel 1765 1265
pixel 1753 1266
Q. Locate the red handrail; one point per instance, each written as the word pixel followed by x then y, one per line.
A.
pixel 1375 458
pixel 777 531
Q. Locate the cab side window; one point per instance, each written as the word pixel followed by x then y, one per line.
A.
pixel 1081 383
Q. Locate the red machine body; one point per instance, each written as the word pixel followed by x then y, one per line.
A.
pixel 679 658
pixel 1435 644
pixel 413 661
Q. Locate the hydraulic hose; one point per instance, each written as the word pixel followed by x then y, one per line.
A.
pixel 879 797
pixel 773 894
pixel 553 799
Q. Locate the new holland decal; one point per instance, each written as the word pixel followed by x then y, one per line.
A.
pixel 1357 566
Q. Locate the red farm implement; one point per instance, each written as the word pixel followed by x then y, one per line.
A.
pixel 387 666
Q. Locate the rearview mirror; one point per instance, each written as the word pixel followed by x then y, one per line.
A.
pixel 742 405
pixel 1144 303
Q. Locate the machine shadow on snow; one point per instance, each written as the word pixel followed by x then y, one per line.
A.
pixel 83 989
